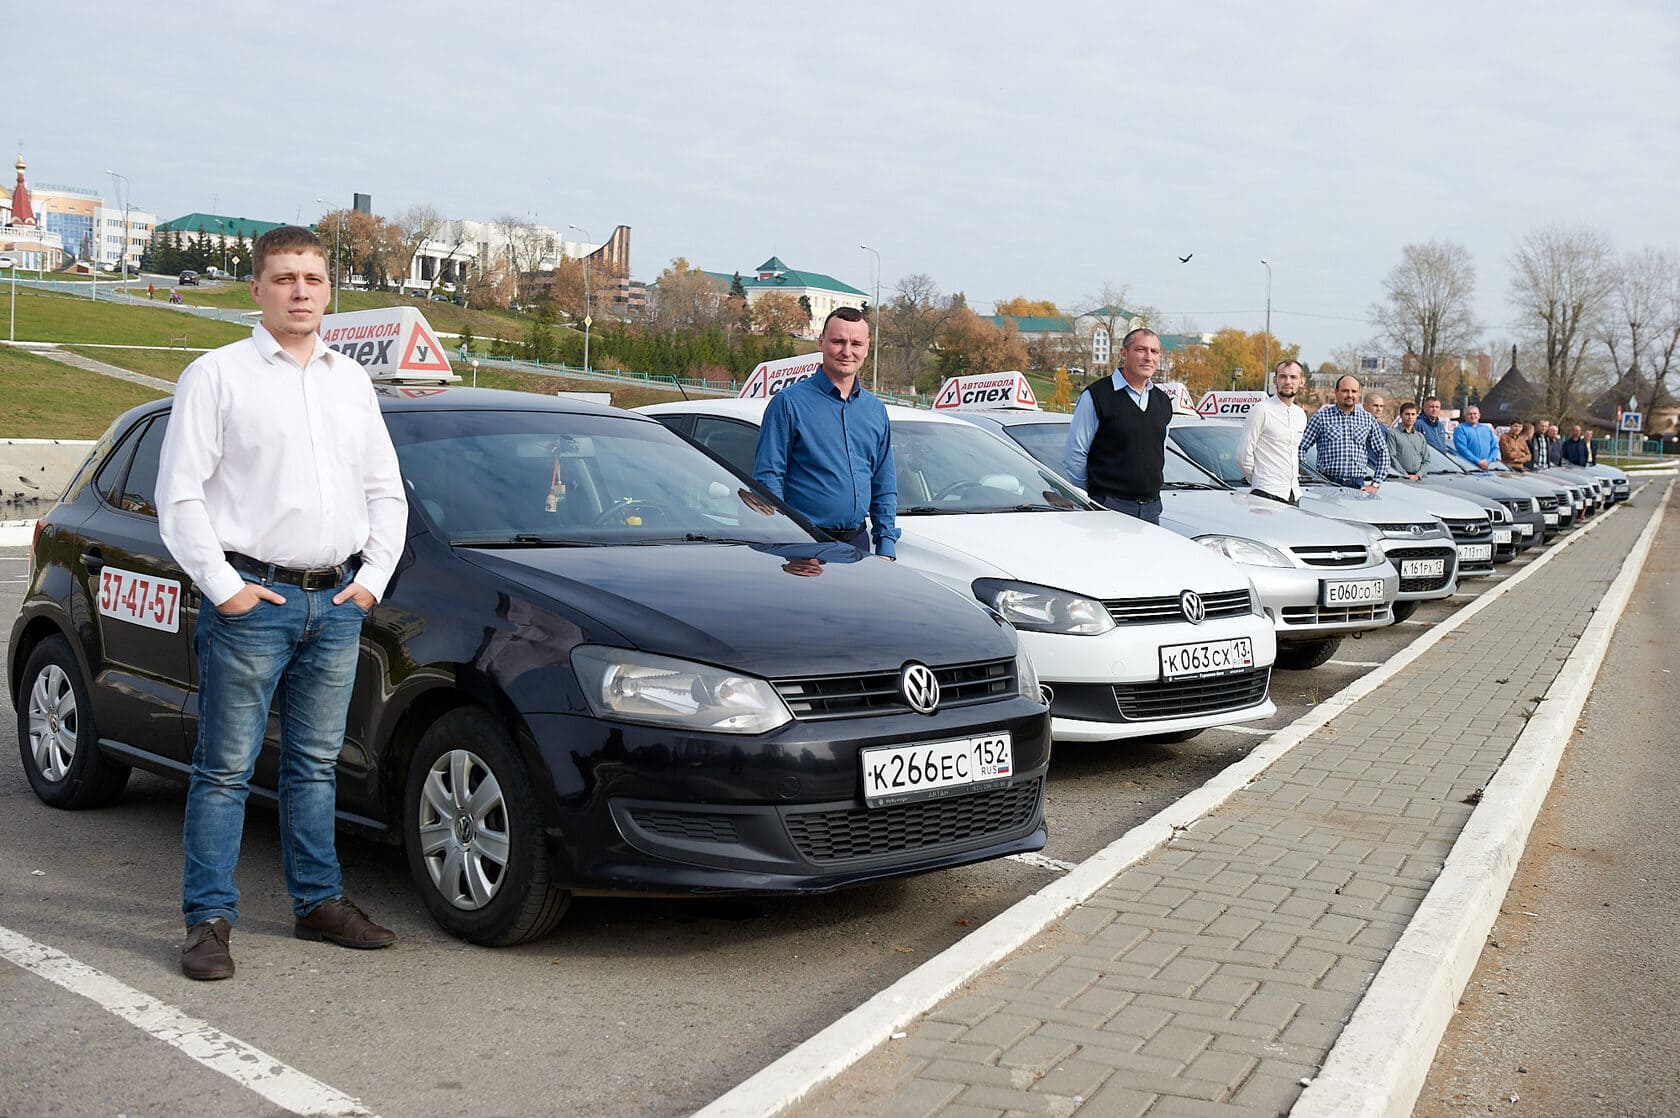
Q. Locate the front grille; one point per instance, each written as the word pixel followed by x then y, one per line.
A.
pixel 1147 611
pixel 852 696
pixel 1316 556
pixel 694 826
pixel 843 836
pixel 1519 504
pixel 1418 584
pixel 1470 531
pixel 1333 615
pixel 1548 504
pixel 1142 702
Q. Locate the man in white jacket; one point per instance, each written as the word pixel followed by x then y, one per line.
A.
pixel 1271 440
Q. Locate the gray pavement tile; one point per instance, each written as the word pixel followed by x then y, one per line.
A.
pixel 1170 1107
pixel 969 1010
pixel 1117 1099
pixel 1268 1094
pixel 1010 1101
pixel 923 1098
pixel 1177 1043
pixel 968 1071
pixel 1074 1077
pixel 1001 1030
pixel 958 1110
pixel 1038 1054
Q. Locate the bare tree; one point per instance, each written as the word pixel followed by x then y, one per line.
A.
pixel 522 247
pixel 1107 308
pixel 1426 313
pixel 408 230
pixel 1561 281
pixel 910 325
pixel 1641 328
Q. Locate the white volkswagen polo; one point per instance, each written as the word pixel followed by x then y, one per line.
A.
pixel 1135 631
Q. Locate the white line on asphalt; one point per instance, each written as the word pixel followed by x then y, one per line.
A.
pixel 1380 1061
pixel 816 1061
pixel 1257 731
pixel 1042 862
pixel 1356 663
pixel 249 1067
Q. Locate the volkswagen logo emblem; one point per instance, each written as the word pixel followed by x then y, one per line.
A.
pixel 920 687
pixel 1191 603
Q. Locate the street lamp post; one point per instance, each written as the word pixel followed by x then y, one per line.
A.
pixel 127 197
pixel 875 331
pixel 8 262
pixel 1268 318
pixel 588 317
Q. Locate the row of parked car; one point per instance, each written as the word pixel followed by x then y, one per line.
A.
pixel 609 663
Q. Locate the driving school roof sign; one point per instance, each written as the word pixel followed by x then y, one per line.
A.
pixel 989 391
pixel 1216 405
pixel 392 343
pixel 770 377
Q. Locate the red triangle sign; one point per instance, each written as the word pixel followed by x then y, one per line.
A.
pixel 421 353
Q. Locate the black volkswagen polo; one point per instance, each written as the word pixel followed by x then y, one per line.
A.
pixel 605 664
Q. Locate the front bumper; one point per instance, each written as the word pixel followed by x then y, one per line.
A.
pixel 1291 596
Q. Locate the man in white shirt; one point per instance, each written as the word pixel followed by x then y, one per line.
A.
pixel 279 495
pixel 1267 453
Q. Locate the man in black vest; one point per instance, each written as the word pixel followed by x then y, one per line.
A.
pixel 1116 444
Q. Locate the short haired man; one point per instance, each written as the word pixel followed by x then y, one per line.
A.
pixel 825 446
pixel 1437 432
pixel 1352 451
pixel 1543 446
pixel 1116 446
pixel 1406 444
pixel 1513 446
pixel 279 495
pixel 1377 405
pixel 1271 436
pixel 1475 440
pixel 1576 449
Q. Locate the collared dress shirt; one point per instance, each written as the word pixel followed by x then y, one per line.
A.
pixel 831 459
pixel 1409 449
pixel 1476 441
pixel 1268 454
pixel 290 464
pixel 1351 447
pixel 1083 427
pixel 1438 434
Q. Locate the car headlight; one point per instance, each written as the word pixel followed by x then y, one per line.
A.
pixel 1043 609
pixel 1373 538
pixel 1240 550
pixel 661 691
pixel 1026 676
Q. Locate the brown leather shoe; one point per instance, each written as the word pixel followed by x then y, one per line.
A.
pixel 343 923
pixel 205 955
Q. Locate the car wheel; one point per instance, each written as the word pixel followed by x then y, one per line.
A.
pixel 474 835
pixel 1403 610
pixel 1298 656
pixel 56 734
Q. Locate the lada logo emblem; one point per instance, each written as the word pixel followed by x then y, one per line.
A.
pixel 1194 609
pixel 920 687
pixel 1417 529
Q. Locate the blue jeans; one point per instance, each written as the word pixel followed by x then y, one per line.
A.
pixel 1149 511
pixel 300 659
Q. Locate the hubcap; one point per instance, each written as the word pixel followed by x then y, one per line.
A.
pixel 53 723
pixel 463 829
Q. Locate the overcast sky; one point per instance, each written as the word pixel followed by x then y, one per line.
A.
pixel 1041 149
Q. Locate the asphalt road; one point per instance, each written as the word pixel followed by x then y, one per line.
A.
pixel 1574 1008
pixel 631 1007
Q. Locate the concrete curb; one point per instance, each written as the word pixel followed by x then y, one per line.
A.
pixel 1380 1062
pixel 828 1053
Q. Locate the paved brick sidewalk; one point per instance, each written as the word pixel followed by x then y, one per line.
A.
pixel 1212 977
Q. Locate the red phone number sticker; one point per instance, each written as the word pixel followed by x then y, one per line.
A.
pixel 140 599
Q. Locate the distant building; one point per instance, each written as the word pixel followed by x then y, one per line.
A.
pixel 23 238
pixel 824 293
pixel 69 211
pixel 123 235
pixel 1084 339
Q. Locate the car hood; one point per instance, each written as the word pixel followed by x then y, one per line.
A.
pixel 1208 512
pixel 1471 483
pixel 1098 553
pixel 736 606
pixel 1342 503
pixel 1440 502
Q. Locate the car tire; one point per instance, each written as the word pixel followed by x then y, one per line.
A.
pixel 57 736
pixel 1403 610
pixel 1298 656
pixel 490 887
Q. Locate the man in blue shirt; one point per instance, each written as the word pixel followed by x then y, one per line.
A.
pixel 825 446
pixel 1352 450
pixel 1434 428
pixel 1116 443
pixel 1475 440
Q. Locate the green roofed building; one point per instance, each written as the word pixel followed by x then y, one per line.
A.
pixel 823 292
pixel 219 226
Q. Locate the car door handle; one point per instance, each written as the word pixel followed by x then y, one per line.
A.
pixel 93 560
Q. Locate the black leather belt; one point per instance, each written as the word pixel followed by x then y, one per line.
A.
pixel 317 578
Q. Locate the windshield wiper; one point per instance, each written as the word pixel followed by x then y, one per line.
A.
pixel 1040 507
pixel 524 539
pixel 1187 485
pixel 930 510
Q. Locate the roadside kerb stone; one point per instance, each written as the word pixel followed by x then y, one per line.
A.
pixel 65 357
pixel 1326 880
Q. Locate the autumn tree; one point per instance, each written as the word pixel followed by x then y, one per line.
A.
pixel 971 344
pixel 1561 282
pixel 779 315
pixel 1233 359
pixel 1061 393
pixel 1641 327
pixel 684 298
pixel 910 325
pixel 1022 307
pixel 1425 312
pixel 406 231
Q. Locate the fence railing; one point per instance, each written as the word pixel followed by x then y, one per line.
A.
pixel 653 380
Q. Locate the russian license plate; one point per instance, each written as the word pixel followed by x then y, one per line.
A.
pixel 140 599
pixel 1551 517
pixel 1502 535
pixel 1422 568
pixel 1527 530
pixel 1475 551
pixel 1179 661
pixel 1359 593
pixel 896 773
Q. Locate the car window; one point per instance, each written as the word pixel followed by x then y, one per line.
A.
pixel 731 440
pixel 1214 449
pixel 947 467
pixel 110 473
pixel 128 479
pixel 1046 441
pixel 495 477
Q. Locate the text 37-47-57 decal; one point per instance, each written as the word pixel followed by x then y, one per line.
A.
pixel 141 599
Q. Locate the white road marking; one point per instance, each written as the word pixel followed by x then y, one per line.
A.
pixel 1257 731
pixel 1355 663
pixel 249 1067
pixel 1042 862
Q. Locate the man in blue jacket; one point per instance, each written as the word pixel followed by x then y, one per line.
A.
pixel 825 446
pixel 1435 430
pixel 1475 440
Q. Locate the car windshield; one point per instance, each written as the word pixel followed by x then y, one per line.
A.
pixel 1213 447
pixel 957 468
pixel 539 478
pixel 1046 441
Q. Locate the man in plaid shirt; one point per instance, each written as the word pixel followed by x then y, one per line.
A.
pixel 1351 448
